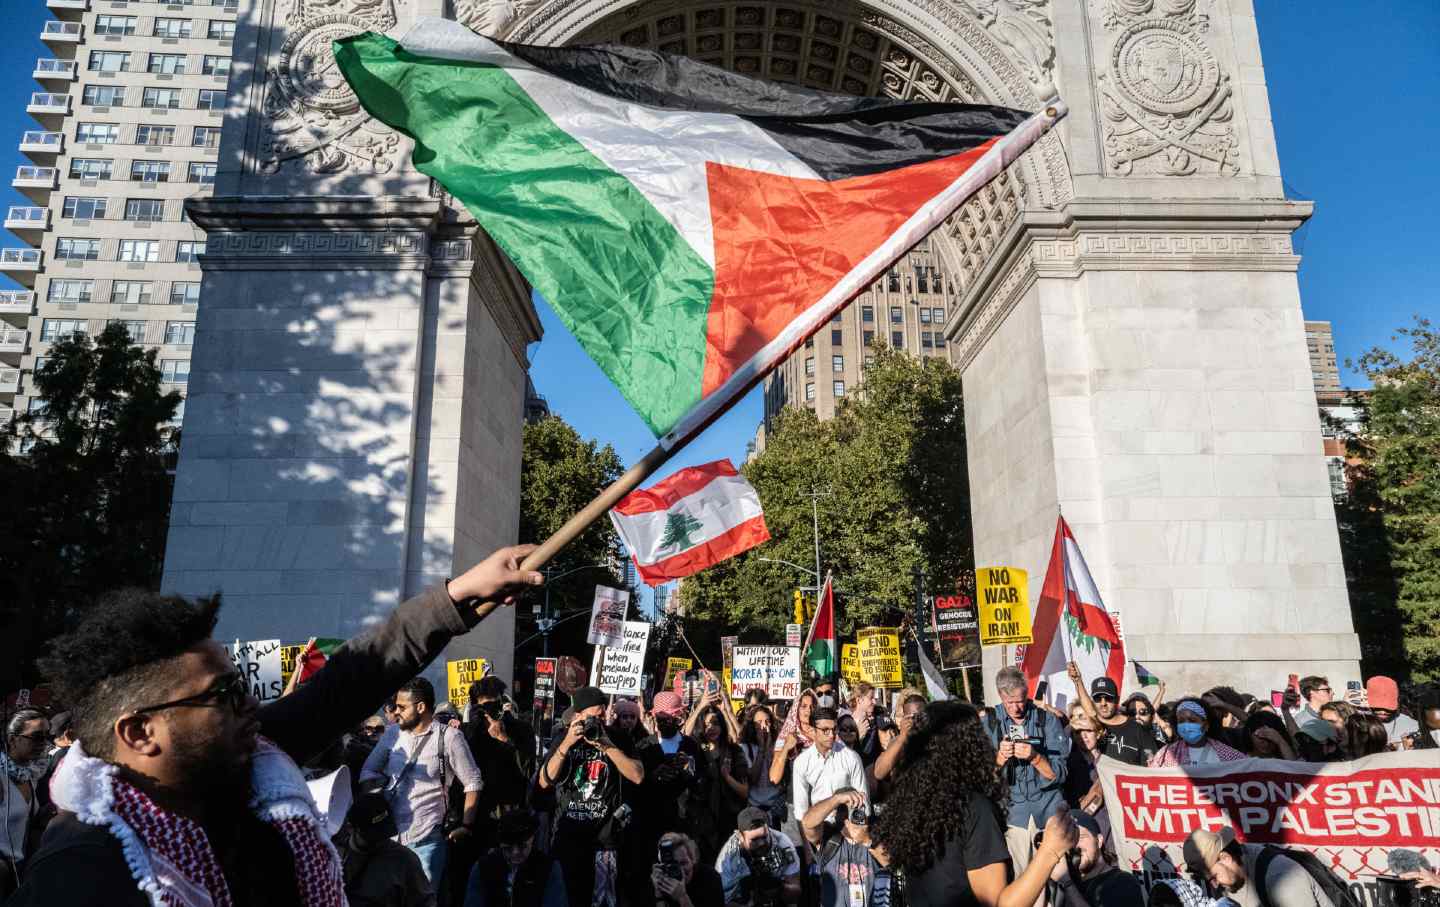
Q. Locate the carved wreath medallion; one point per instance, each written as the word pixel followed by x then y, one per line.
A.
pixel 1163 69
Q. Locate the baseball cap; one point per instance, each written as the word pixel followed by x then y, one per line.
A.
pixel 1104 686
pixel 751 818
pixel 1087 822
pixel 370 815
pixel 587 698
pixel 667 703
pixel 1203 848
pixel 1382 693
pixel 516 827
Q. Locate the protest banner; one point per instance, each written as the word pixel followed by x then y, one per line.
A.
pixel 258 662
pixel 458 677
pixel 1350 814
pixel 289 655
pixel 607 616
pixel 774 669
pixel 674 666
pixel 1002 596
pixel 544 705
pixel 878 649
pixel 850 663
pixel 619 669
pixel 957 631
pixel 794 634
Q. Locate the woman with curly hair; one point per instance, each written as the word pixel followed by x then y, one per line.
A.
pixel 956 855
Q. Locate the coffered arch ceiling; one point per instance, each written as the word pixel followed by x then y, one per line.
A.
pixel 864 49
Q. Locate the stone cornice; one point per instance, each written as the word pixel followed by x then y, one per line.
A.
pixel 269 213
pixel 1086 235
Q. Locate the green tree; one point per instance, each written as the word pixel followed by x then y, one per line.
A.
pixel 891 465
pixel 1400 445
pixel 88 482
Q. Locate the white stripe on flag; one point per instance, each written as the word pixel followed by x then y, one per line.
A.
pixel 724 503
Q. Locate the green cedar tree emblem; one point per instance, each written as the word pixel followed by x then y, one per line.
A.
pixel 678 527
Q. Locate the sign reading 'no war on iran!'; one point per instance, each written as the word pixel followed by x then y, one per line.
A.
pixel 1002 604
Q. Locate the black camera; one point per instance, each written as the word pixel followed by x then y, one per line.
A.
pixel 767 873
pixel 1394 891
pixel 668 864
pixel 860 816
pixel 593 728
pixel 494 708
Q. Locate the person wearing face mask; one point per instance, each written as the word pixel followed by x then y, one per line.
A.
pixel 825 693
pixel 1194 745
pixel 624 725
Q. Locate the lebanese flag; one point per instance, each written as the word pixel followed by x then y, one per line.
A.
pixel 689 225
pixel 692 520
pixel 820 642
pixel 1072 624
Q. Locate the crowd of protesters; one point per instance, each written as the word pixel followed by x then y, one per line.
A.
pixel 165 782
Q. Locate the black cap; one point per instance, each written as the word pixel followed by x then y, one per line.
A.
pixel 1104 686
pixel 516 827
pixel 1087 822
pixel 370 815
pixel 751 818
pixel 60 722
pixel 587 698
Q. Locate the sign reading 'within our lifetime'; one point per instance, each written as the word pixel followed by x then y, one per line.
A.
pixel 879 651
pixel 1002 598
pixel 774 669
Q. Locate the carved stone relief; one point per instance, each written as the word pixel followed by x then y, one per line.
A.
pixel 493 18
pixel 1166 105
pixel 1024 26
pixel 310 117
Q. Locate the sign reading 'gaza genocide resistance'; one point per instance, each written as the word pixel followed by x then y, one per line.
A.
pixel 1002 598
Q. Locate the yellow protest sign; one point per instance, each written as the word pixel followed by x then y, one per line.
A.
pixel 288 657
pixel 1002 606
pixel 458 677
pixel 850 663
pixel 878 649
pixel 675 666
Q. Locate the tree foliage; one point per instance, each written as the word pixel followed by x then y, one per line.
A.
pixel 895 497
pixel 1399 478
pixel 87 486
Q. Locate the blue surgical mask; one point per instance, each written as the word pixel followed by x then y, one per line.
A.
pixel 1191 732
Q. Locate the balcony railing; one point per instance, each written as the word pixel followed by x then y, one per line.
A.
pixel 6 414
pixel 60 31
pixel 24 217
pixel 34 176
pixel 49 68
pixel 49 101
pixel 68 5
pixel 17 302
pixel 12 340
pixel 9 381
pixel 34 142
pixel 22 259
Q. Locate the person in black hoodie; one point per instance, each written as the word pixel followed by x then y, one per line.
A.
pixel 515 873
pixel 182 781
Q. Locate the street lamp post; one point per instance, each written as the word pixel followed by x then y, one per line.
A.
pixel 546 622
pixel 815 573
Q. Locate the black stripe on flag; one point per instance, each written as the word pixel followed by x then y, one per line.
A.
pixel 837 135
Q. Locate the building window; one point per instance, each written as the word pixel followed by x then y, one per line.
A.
pixel 810 342
pixel 212 65
pixel 70 249
pixel 175 371
pixel 927 340
pixel 154 135
pixel 161 98
pixel 810 365
pixel 167 64
pixel 202 173
pixel 135 330
pixel 130 292
pixel 139 250
pixel 835 319
pixel 83 207
pixel 837 363
pixel 924 316
pixel 810 391
pixel 179 332
pixel 52 329
pixel 109 61
pixel 869 337
pixel 922 280
pixel 150 171
pixel 221 31
pixel 189 251
pixel 897 315
pixel 205 137
pixel 114 25
pixel 211 99
pixel 90 168
pixel 173 28
pixel 1336 468
pixel 867 314
pixel 97 133
pixel 103 95
pixel 897 339
pixel 148 209
pixel 184 293
pixel 939 341
pixel 894 281
pixel 838 388
pixel 937 316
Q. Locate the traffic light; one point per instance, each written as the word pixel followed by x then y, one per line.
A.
pixel 799 607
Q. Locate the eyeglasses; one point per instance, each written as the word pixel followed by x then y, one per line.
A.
pixel 827 731
pixel 229 690
pixel 38 738
pixel 1143 713
pixel 1103 697
pixel 1320 689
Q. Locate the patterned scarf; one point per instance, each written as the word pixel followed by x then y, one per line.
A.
pixel 24 772
pixel 170 856
pixel 1179 754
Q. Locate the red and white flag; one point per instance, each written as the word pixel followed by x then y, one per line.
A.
pixel 1072 624
pixel 692 520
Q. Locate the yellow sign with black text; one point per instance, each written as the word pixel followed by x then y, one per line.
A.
pixel 878 650
pixel 850 663
pixel 1002 606
pixel 458 677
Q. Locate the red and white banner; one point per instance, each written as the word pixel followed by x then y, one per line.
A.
pixel 1350 814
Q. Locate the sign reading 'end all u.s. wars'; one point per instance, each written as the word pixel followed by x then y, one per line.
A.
pixel 1002 606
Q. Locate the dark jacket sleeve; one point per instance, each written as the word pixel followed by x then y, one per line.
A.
pixel 362 674
pixel 78 865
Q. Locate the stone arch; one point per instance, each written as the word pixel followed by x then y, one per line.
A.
pixel 978 51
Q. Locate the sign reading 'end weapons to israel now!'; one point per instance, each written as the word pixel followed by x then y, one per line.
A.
pixel 1002 606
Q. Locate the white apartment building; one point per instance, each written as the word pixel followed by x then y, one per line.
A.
pixel 127 113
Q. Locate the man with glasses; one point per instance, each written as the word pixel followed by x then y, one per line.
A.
pixel 826 767
pixel 190 791
pixel 1317 693
pixel 1124 738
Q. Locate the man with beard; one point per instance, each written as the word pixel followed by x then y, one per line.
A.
pixel 182 789
pixel 1262 875
pixel 1087 878
pixel 1124 738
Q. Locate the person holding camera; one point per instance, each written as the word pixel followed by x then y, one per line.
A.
pixel 758 865
pixel 680 879
pixel 516 873
pixel 1262 875
pixel 584 768
pixel 1088 877
pixel 1032 751
pixel 854 871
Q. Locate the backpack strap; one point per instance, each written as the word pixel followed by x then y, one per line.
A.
pixel 1262 869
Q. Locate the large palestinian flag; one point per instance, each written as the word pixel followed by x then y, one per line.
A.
pixel 689 225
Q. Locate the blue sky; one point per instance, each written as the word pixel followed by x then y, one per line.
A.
pixel 1351 88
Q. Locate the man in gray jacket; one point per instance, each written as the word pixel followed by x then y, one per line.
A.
pixel 1253 875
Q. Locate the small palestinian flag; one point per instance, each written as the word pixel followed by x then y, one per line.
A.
pixel 690 226
pixel 694 519
pixel 1144 676
pixel 820 652
pixel 314 656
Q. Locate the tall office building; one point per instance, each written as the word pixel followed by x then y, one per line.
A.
pixel 1323 366
pixel 905 309
pixel 128 113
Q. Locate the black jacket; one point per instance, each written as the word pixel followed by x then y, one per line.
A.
pixel 81 865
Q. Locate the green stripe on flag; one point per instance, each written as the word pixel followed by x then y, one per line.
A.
pixel 619 276
pixel 821 657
